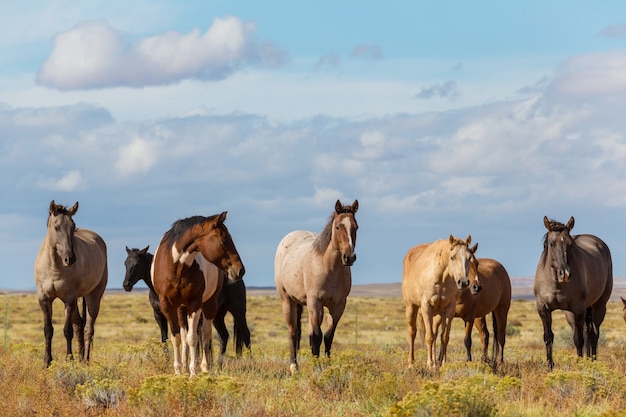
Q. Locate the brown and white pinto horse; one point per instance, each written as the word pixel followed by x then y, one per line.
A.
pixel 184 274
pixel 432 277
pixel 71 263
pixel 314 271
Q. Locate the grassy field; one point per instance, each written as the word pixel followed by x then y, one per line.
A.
pixel 131 373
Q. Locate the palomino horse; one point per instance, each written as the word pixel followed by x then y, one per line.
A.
pixel 314 270
pixel 495 298
pixel 575 274
pixel 232 299
pixel 71 263
pixel 433 275
pixel 184 274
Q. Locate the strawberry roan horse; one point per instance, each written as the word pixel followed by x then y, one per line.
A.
pixel 574 274
pixel 184 274
pixel 431 280
pixel 314 270
pixel 71 263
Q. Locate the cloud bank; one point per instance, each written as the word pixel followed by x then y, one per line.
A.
pixel 95 55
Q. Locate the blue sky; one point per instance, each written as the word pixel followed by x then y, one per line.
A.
pixel 439 117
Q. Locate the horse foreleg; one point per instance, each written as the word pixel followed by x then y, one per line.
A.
pixel 429 336
pixel 159 317
pixel 335 315
pixel 548 336
pixel 71 310
pixel 46 307
pixel 316 316
pixel 172 317
pixel 446 325
pixel 481 324
pixel 222 331
pixel 469 325
pixel 411 318
pixel 576 321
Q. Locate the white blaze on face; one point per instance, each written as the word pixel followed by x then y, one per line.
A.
pixel 347 224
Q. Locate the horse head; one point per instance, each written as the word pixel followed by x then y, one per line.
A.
pixel 557 243
pixel 216 245
pixel 61 228
pixel 137 267
pixel 343 232
pixel 475 285
pixel 460 259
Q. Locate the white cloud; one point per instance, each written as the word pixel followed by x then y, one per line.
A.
pixel 71 181
pixel 601 73
pixel 138 156
pixel 95 55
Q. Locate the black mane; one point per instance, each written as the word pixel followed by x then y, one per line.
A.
pixel 323 240
pixel 179 228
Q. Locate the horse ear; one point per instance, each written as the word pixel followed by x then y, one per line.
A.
pixel 221 218
pixel 570 223
pixel 145 250
pixel 127 250
pixel 355 206
pixel 474 248
pixel 623 301
pixel 74 209
pixel 451 239
pixel 338 207
pixel 468 240
pixel 53 207
pixel 546 222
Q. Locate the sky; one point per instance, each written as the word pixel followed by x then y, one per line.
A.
pixel 464 118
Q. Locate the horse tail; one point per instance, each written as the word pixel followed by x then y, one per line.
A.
pixel 298 324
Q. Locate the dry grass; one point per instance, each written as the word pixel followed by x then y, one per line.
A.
pixel 131 372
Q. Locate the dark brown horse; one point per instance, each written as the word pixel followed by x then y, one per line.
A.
pixel 574 274
pixel 494 297
pixel 184 274
pixel 71 263
pixel 314 271
pixel 232 300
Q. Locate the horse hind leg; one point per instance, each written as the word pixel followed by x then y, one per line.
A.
pixel 292 313
pixel 48 330
pixel 207 346
pixel 411 317
pixel 72 323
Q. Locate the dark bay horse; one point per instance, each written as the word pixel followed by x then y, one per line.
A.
pixel 495 298
pixel 432 277
pixel 574 274
pixel 313 270
pixel 71 263
pixel 231 299
pixel 185 274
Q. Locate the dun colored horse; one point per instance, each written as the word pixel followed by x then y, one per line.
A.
pixel 232 299
pixel 184 274
pixel 433 275
pixel 314 271
pixel 495 298
pixel 71 263
pixel 574 274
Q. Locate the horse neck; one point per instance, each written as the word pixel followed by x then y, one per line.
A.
pixel 146 277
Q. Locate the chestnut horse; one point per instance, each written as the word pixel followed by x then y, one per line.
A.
pixel 184 274
pixel 232 299
pixel 495 298
pixel 433 275
pixel 71 263
pixel 314 270
pixel 574 274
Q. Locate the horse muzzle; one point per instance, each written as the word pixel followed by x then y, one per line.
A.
pixel 348 258
pixel 462 283
pixel 236 275
pixel 475 289
pixel 562 275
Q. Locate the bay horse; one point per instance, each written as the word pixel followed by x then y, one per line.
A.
pixel 232 299
pixel 185 274
pixel 432 276
pixel 574 274
pixel 71 263
pixel 495 298
pixel 313 270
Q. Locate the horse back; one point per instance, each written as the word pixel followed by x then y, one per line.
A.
pixel 291 264
pixel 496 287
pixel 421 270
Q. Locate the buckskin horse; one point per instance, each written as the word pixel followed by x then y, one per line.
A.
pixel 184 274
pixel 313 270
pixel 432 277
pixel 574 274
pixel 71 263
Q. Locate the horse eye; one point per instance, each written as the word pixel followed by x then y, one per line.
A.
pixel 452 257
pixel 337 227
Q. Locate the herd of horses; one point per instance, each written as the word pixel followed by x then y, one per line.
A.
pixel 195 278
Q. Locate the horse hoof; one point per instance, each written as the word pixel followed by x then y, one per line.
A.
pixel 293 368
